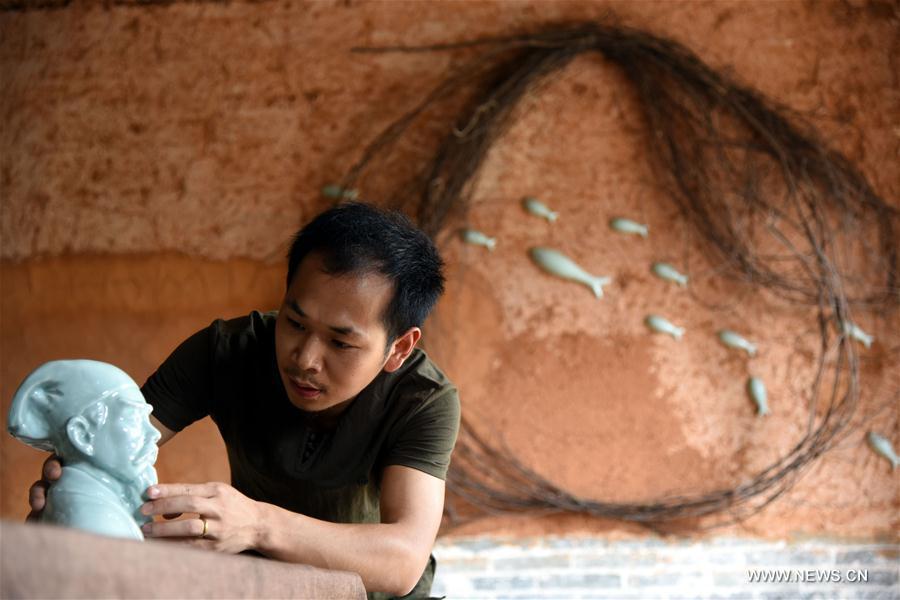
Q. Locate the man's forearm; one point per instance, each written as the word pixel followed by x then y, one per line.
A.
pixel 386 555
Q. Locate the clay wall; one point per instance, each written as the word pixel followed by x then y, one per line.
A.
pixel 154 161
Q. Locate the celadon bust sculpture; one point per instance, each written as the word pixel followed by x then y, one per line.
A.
pixel 95 418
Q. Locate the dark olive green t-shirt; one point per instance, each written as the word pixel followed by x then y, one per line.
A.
pixel 228 371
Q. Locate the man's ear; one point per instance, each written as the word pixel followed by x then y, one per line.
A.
pixel 401 348
pixel 78 430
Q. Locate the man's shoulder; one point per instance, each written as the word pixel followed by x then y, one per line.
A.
pixel 256 323
pixel 420 371
pixel 248 333
pixel 419 384
pixel 423 415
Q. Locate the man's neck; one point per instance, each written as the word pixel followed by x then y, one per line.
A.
pixel 327 420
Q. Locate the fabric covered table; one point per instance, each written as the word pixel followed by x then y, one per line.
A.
pixel 41 561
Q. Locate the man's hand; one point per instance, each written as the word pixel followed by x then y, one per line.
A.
pixel 37 493
pixel 232 519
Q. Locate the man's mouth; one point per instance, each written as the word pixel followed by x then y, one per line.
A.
pixel 304 389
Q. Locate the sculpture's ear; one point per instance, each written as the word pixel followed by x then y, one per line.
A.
pixel 29 413
pixel 80 434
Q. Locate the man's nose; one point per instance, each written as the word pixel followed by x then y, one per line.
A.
pixel 309 354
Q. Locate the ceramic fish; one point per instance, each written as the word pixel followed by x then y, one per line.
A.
pixel 757 390
pixel 335 191
pixel 471 236
pixel 661 325
pixel 628 226
pixel 537 208
pixel 670 273
pixel 733 340
pixel 883 446
pixel 557 263
pixel 853 330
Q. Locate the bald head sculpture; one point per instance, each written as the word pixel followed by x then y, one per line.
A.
pixel 94 417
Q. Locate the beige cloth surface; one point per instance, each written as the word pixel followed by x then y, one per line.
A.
pixel 41 561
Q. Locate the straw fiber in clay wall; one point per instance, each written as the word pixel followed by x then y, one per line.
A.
pixel 155 160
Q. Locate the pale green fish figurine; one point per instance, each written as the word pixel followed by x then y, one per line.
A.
pixel 669 273
pixel 853 330
pixel 538 208
pixel 662 325
pixel 733 340
pixel 335 191
pixel 883 446
pixel 476 238
pixel 557 263
pixel 757 390
pixel 629 226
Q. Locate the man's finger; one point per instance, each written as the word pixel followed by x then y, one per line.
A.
pixel 168 490
pixel 37 496
pixel 177 504
pixel 185 528
pixel 52 469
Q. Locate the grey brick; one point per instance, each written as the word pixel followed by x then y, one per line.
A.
pixel 820 595
pixel 882 577
pixel 785 593
pixel 580 580
pixel 610 595
pixel 780 558
pixel 657 579
pixel 650 542
pixel 736 541
pixel 867 557
pixel 576 543
pixel 725 558
pixel 456 565
pixel 502 583
pixel 876 594
pixel 531 562
pixel 730 578
pixel 614 560
pixel 477 545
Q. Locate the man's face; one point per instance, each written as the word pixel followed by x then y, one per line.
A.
pixel 125 446
pixel 329 337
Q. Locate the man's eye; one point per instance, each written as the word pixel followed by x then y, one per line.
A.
pixel 296 325
pixel 341 345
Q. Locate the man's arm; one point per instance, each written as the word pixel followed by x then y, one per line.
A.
pixel 389 556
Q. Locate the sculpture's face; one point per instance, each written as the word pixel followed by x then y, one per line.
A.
pixel 125 446
pixel 329 337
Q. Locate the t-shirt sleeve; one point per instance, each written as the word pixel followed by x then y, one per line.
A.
pixel 424 439
pixel 180 389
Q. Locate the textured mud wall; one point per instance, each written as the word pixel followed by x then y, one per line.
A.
pixel 154 160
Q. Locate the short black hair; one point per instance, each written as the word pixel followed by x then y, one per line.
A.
pixel 357 238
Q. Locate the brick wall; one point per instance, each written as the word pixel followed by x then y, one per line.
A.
pixel 580 567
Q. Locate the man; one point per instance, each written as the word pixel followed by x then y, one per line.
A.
pixel 92 415
pixel 338 429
